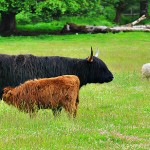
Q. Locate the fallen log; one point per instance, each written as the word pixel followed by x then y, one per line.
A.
pixel 129 29
pixel 75 28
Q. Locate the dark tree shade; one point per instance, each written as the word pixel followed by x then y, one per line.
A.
pixel 144 7
pixel 8 22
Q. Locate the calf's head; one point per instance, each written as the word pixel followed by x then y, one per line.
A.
pixel 7 95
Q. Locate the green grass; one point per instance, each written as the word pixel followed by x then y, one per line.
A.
pixel 110 116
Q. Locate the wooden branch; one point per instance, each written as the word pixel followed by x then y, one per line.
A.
pixel 136 21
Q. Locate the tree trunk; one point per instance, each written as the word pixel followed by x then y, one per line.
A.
pixel 119 9
pixel 118 16
pixel 8 22
pixel 144 8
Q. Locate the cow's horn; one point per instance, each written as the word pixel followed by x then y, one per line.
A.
pixel 97 53
pixel 90 59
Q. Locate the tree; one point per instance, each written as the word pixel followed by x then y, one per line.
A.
pixel 8 10
pixel 120 6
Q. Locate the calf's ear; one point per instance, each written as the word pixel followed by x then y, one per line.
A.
pixel 9 94
pixel 6 89
pixel 90 59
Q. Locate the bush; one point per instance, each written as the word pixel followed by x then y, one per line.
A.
pixel 23 18
pixel 27 18
pixel 87 20
pixel 109 13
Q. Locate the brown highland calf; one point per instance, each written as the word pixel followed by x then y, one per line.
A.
pixel 52 93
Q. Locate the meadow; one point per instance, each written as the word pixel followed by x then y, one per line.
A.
pixel 112 116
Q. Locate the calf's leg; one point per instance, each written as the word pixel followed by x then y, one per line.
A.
pixel 56 111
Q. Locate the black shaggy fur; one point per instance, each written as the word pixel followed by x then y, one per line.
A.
pixel 17 69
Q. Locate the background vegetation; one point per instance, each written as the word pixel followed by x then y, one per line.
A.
pixel 110 116
pixel 16 15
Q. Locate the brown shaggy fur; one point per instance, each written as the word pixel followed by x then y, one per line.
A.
pixel 53 93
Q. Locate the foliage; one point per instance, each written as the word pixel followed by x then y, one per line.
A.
pixel 109 12
pixel 15 6
pixel 51 8
pixel 115 3
pixel 56 9
pixel 24 18
pixel 110 116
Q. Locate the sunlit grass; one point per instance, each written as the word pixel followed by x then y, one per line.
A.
pixel 110 116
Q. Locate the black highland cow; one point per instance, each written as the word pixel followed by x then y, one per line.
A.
pixel 17 69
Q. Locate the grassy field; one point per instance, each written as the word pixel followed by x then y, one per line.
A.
pixel 111 116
